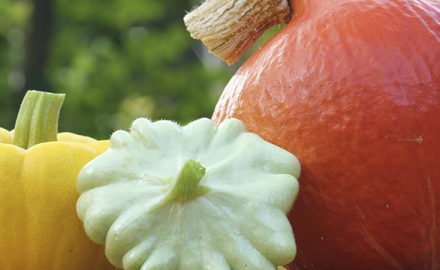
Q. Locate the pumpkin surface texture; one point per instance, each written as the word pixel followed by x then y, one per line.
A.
pixel 39 228
pixel 352 89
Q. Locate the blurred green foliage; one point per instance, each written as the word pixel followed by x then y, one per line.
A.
pixel 116 61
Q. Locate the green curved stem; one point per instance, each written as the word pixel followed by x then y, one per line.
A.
pixel 187 185
pixel 37 120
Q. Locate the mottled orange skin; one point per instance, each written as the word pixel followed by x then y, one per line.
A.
pixel 352 88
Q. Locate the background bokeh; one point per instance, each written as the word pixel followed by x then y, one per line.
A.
pixel 116 60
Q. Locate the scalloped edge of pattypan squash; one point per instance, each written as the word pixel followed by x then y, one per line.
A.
pixel 194 197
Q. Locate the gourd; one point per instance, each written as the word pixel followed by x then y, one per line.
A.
pixel 352 88
pixel 39 228
pixel 194 197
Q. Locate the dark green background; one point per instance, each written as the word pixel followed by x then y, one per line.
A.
pixel 116 60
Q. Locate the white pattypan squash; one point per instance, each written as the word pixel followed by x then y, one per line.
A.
pixel 166 197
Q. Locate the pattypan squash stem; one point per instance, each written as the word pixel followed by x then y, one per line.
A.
pixel 37 120
pixel 187 185
pixel 229 28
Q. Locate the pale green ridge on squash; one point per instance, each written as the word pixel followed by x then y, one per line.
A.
pixel 231 216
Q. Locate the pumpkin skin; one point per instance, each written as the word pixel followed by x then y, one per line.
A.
pixel 352 89
pixel 39 228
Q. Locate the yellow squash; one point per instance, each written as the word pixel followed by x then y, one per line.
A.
pixel 39 228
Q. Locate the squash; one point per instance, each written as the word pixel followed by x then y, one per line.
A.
pixel 195 197
pixel 352 88
pixel 39 228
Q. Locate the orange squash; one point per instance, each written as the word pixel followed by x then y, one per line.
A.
pixel 352 88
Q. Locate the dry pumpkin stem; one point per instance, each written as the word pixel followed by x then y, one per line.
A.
pixel 37 120
pixel 229 28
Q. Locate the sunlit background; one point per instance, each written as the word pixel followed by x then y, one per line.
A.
pixel 116 60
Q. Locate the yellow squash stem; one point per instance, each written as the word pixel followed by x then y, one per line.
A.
pixel 187 185
pixel 37 120
pixel 229 28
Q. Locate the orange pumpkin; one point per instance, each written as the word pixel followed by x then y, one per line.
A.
pixel 352 88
